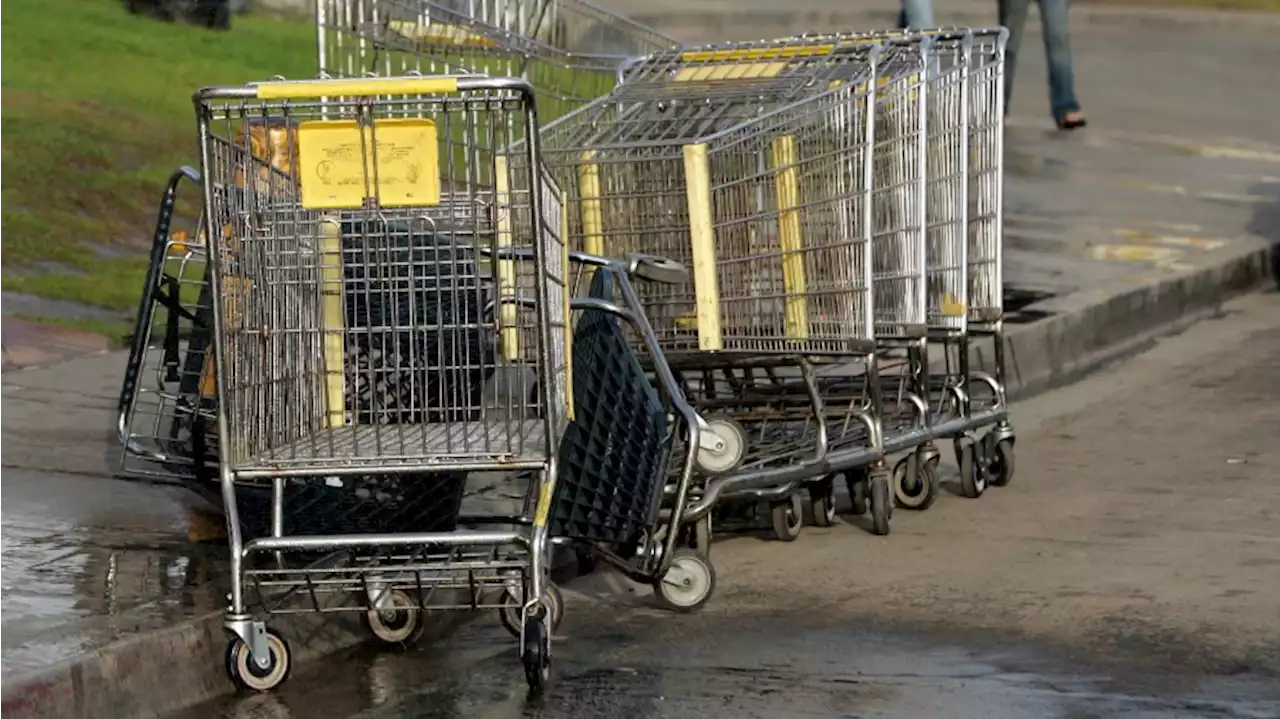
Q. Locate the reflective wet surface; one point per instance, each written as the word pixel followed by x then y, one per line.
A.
pixel 797 664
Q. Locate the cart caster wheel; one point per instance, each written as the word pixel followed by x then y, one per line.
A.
pixel 973 477
pixel 246 673
pixel 688 583
pixel 399 624
pixel 536 653
pixel 788 518
pixel 713 463
pixel 1000 465
pixel 511 613
pixel 881 504
pixel 822 502
pixel 915 483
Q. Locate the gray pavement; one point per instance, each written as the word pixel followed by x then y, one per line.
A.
pixel 1130 570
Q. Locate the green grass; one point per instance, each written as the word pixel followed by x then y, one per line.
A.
pixel 97 113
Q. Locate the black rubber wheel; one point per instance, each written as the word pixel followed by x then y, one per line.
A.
pixel 399 624
pixel 587 561
pixel 1001 468
pixel 973 479
pixel 881 504
pixel 856 482
pixel 915 483
pixel 536 654
pixel 246 673
pixel 788 518
pixel 822 502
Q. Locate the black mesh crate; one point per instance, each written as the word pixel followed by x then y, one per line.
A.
pixel 613 455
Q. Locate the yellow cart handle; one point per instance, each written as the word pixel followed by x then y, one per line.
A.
pixel 355 87
pixel 364 87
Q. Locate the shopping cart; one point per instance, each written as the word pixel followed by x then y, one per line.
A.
pixel 361 313
pixel 754 164
pixel 960 125
pixel 568 49
pixel 992 456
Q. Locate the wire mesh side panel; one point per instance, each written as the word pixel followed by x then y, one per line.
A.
pixel 898 197
pixel 394 37
pixel 355 329
pixel 946 204
pixel 986 175
pixel 791 253
pixel 627 145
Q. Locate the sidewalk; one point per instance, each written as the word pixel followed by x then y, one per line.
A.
pixel 1172 187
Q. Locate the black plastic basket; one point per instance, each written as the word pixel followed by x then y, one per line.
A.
pixel 613 455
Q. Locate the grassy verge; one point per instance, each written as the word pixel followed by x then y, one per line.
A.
pixel 97 113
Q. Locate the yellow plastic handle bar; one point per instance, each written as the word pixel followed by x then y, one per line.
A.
pixel 356 87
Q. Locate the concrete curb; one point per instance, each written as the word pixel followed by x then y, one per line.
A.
pixel 153 674
pixel 159 672
pixel 1089 329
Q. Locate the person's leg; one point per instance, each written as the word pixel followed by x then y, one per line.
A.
pixel 1013 15
pixel 916 14
pixel 1057 50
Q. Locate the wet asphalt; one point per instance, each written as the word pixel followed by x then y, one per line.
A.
pixel 801 663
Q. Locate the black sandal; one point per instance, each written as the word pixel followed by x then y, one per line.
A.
pixel 1072 120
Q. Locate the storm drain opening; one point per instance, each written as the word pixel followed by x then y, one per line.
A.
pixel 1017 303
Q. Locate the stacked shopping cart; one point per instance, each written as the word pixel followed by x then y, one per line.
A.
pixel 656 288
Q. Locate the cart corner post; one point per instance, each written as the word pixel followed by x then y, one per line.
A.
pixel 702 243
pixel 508 312
pixel 592 210
pixel 787 185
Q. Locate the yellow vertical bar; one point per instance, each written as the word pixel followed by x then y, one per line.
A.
pixel 509 314
pixel 787 182
pixel 332 317
pixel 702 242
pixel 568 312
pixel 592 211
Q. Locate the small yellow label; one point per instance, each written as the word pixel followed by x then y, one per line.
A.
pixel 757 53
pixel 337 171
pixel 952 307
pixel 745 71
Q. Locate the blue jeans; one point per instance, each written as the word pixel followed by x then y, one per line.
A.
pixel 1057 50
pixel 916 13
